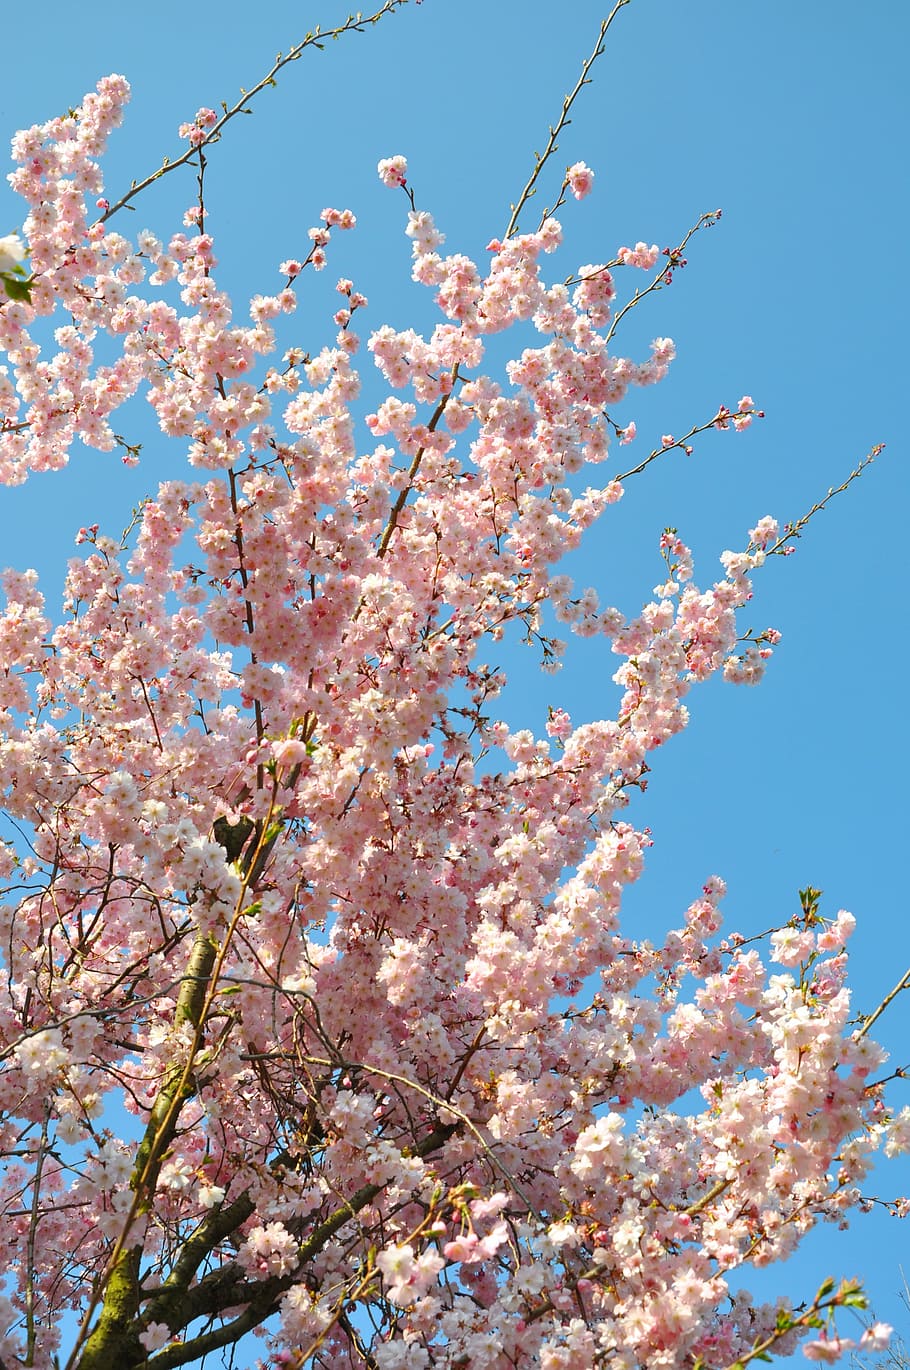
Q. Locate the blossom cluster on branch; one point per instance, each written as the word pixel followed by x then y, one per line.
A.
pixel 290 893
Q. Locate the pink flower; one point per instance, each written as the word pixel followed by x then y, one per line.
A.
pixel 765 531
pixel 407 1277
pixel 156 1335
pixel 465 1248
pixel 559 724
pixel 580 179
pixel 827 1349
pixel 196 131
pixel 338 218
pixel 393 171
pixel 877 1337
pixel 641 255
pixel 837 934
pixel 789 946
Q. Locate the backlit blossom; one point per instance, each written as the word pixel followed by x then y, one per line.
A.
pixel 827 1349
pixel 877 1337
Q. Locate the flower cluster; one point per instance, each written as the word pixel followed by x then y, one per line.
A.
pixel 347 947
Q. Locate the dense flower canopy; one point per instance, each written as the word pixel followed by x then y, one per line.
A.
pixel 289 892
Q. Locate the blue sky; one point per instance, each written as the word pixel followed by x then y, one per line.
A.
pixel 793 119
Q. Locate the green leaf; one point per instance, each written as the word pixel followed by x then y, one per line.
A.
pixel 809 898
pixel 272 831
pixel 17 288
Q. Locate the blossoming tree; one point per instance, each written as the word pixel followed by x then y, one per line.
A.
pixel 316 1012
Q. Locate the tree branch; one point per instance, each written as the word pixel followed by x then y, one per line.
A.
pixel 355 23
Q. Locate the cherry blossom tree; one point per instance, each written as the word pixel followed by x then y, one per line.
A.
pixel 316 1014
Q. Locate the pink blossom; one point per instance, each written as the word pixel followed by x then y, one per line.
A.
pixel 338 218
pixel 280 879
pixel 289 751
pixel 464 1248
pixel 393 171
pixel 640 256
pixel 156 1335
pixel 559 724
pixel 790 946
pixel 827 1349
pixel 877 1337
pixel 580 179
pixel 765 531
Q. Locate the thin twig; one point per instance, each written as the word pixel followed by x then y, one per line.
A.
pixel 793 530
pixel 721 419
pixel 354 23
pixel 902 984
pixel 448 1107
pixel 664 276
pixel 540 160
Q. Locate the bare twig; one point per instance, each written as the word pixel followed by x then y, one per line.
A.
pixel 443 1105
pixel 541 159
pixel 793 530
pixel 664 276
pixel 355 23
pixel 902 984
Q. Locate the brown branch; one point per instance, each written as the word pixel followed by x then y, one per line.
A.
pixel 265 1297
pixel 34 1218
pixel 405 490
pixel 713 1193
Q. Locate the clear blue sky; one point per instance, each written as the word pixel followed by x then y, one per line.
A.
pixel 793 118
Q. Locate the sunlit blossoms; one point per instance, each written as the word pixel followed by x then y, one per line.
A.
pixel 282 884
